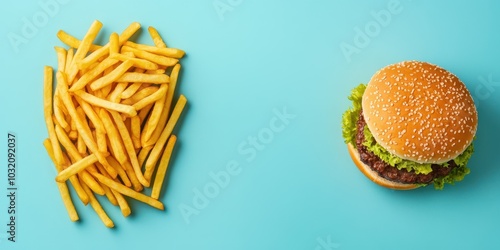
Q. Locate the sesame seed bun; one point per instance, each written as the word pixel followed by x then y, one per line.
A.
pixel 419 112
pixel 372 175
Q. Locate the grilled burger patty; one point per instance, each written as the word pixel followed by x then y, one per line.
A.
pixel 392 173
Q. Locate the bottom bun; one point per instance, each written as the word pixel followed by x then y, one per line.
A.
pixel 372 175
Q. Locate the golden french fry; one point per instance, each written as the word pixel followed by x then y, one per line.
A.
pixel 69 59
pixel 114 44
pixel 124 207
pixel 153 119
pixel 47 110
pixel 168 52
pixel 91 114
pixel 101 142
pixel 162 167
pixel 143 154
pixel 129 147
pixel 139 95
pixel 68 203
pixel 158 41
pixel 138 63
pixel 129 192
pixel 120 170
pixel 160 60
pixel 59 114
pixel 144 112
pixel 130 90
pixel 104 50
pixel 114 96
pixel 74 181
pixel 73 42
pixel 135 129
pixel 83 49
pixel 156 151
pixel 61 57
pixel 126 109
pixel 107 191
pixel 88 180
pixel 132 176
pixel 80 144
pixel 76 167
pixel 161 92
pixel 168 102
pixel 98 208
pixel 67 143
pixel 92 74
pixel 114 137
pixel 112 76
pixel 143 78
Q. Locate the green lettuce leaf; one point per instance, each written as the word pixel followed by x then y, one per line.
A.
pixel 349 119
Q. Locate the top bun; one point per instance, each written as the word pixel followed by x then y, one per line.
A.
pixel 420 112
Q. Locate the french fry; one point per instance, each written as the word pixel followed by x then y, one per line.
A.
pixel 61 57
pixel 158 41
pixel 83 49
pixel 135 129
pixel 98 208
pixel 76 167
pixel 68 203
pixel 139 95
pixel 143 113
pixel 88 180
pixel 104 50
pixel 112 76
pixel 107 191
pixel 156 151
pixel 73 42
pixel 114 44
pixel 133 177
pixel 162 167
pixel 63 188
pixel 47 108
pixel 138 63
pixel 168 52
pixel 129 192
pixel 114 135
pixel 129 147
pixel 160 60
pixel 124 207
pixel 92 115
pixel 69 59
pixel 168 102
pixel 114 96
pixel 153 119
pixel 143 78
pixel 120 170
pixel 92 74
pixel 59 114
pixel 143 154
pixel 162 91
pixel 131 90
pixel 126 109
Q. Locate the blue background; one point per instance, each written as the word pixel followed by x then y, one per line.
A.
pixel 300 191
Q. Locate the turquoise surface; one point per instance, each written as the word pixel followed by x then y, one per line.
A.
pixel 261 163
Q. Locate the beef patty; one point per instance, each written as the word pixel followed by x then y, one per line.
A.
pixel 392 173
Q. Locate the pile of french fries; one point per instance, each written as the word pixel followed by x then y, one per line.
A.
pixel 108 118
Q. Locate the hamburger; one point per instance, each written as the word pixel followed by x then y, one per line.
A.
pixel 412 125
